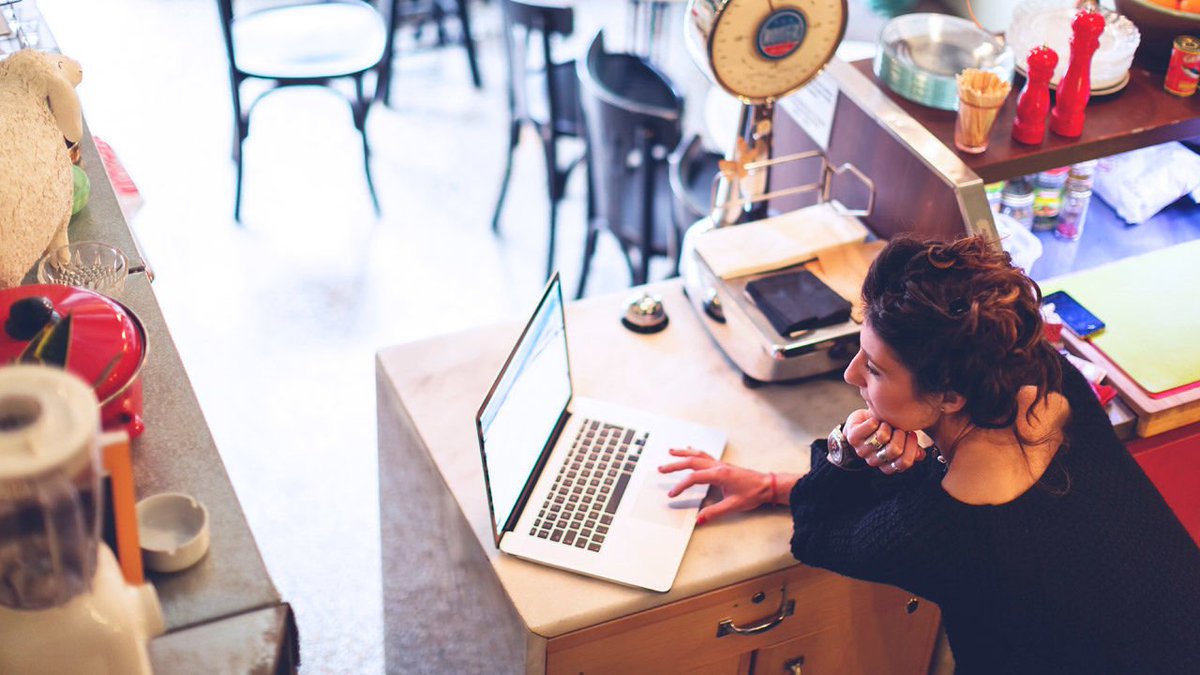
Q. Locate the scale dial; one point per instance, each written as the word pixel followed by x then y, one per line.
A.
pixel 763 50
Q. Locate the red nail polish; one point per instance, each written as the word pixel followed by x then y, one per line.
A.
pixel 700 520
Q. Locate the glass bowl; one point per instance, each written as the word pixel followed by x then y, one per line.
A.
pixel 919 55
pixel 1048 22
pixel 92 265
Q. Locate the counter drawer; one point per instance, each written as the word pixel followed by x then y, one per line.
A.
pixel 687 635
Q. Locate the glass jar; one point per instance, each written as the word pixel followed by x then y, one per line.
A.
pixel 1047 198
pixel 993 191
pixel 1083 173
pixel 1076 198
pixel 1016 200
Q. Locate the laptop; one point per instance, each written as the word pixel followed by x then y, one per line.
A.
pixel 573 483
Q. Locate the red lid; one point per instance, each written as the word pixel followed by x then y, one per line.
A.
pixel 107 344
pixel 1088 22
pixel 1042 57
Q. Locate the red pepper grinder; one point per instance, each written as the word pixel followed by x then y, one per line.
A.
pixel 1033 104
pixel 1076 86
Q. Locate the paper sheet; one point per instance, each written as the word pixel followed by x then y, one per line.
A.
pixel 778 242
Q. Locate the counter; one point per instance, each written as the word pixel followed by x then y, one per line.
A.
pixel 225 610
pixel 444 580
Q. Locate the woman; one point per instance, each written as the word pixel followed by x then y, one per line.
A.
pixel 1046 547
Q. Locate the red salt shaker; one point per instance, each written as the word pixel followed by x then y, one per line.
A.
pixel 1030 124
pixel 1076 86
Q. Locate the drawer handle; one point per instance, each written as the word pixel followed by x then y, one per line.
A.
pixel 786 609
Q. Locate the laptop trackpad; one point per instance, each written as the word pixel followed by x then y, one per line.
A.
pixel 654 505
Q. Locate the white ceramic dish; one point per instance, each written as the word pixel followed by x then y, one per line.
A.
pixel 173 528
pixel 1048 22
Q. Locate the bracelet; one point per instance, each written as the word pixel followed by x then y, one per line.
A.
pixel 774 488
pixel 840 453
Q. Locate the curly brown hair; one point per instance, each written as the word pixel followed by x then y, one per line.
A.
pixel 962 318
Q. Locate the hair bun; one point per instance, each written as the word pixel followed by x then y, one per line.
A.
pixel 941 257
pixel 962 318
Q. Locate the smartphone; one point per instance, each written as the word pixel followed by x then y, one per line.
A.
pixel 1074 315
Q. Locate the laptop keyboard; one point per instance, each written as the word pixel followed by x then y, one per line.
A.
pixel 589 486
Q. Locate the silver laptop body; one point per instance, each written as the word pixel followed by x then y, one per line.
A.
pixel 573 482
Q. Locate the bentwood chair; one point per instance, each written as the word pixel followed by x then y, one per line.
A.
pixel 311 44
pixel 692 170
pixel 544 93
pixel 418 13
pixel 632 115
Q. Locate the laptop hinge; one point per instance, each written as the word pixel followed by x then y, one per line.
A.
pixel 551 441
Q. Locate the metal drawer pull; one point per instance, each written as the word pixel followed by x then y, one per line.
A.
pixel 786 609
pixel 795 666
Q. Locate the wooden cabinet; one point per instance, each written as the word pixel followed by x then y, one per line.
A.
pixel 836 624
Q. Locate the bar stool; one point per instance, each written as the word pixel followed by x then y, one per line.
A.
pixel 692 170
pixel 542 92
pixel 632 114
pixel 418 12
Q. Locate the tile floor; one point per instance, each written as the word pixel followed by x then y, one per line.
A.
pixel 278 320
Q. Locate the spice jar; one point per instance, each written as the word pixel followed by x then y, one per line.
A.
pixel 993 191
pixel 1047 198
pixel 1083 173
pixel 1016 200
pixel 1076 198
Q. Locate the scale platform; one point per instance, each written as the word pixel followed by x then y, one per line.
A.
pixel 743 332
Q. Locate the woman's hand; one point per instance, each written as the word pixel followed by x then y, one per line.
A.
pixel 742 489
pixel 888 449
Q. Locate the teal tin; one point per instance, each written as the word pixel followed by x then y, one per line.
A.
pixel 919 54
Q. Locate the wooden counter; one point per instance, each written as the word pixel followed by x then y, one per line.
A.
pixel 444 581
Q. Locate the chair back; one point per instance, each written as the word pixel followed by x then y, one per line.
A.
pixel 529 30
pixel 692 173
pixel 225 11
pixel 632 115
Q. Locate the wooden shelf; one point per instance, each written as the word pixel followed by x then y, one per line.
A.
pixel 1140 115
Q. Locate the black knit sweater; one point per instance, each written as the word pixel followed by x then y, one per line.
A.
pixel 1087 572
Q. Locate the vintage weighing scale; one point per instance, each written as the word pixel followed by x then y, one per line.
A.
pixel 760 51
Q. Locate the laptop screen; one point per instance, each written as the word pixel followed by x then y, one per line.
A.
pixel 520 414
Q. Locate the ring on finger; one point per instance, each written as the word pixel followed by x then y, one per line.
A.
pixel 875 443
pixel 895 464
pixel 882 454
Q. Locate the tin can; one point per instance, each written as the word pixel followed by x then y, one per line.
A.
pixel 1047 198
pixel 1184 70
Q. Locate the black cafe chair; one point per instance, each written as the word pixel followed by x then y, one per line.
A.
pixel 692 170
pixel 310 44
pixel 419 13
pixel 544 93
pixel 632 115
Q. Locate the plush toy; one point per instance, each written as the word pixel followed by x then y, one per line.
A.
pixel 38 109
